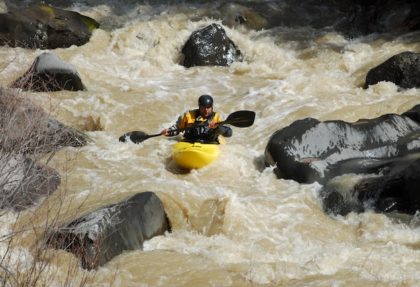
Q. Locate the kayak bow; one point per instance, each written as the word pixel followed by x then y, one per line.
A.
pixel 194 155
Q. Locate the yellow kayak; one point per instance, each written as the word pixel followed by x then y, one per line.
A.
pixel 194 155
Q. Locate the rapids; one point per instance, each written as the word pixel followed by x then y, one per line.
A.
pixel 234 223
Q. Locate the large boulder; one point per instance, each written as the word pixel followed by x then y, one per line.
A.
pixel 402 69
pixel 351 17
pixel 413 113
pixel 49 73
pixel 309 150
pixel 210 46
pixel 362 17
pixel 395 189
pixel 45 27
pixel 26 128
pixel 99 236
pixel 23 181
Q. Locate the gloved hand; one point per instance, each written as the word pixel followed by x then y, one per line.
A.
pixel 169 132
pixel 223 130
pixel 172 133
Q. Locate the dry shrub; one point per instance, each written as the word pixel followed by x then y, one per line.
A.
pixel 23 181
pixel 26 128
pixel 38 266
pixel 27 135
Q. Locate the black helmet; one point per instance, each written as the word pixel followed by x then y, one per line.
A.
pixel 205 101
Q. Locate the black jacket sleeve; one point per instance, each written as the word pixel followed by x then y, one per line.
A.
pixel 225 131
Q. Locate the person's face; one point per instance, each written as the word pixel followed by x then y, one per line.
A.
pixel 205 111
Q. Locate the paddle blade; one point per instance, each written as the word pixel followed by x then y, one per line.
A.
pixel 240 119
pixel 134 136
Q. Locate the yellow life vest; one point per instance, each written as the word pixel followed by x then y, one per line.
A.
pixel 192 117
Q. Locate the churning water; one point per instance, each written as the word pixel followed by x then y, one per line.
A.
pixel 234 223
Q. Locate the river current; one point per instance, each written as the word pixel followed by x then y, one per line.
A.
pixel 234 223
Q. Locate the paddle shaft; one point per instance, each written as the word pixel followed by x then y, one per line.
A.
pixel 155 135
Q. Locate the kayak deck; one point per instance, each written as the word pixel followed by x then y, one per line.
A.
pixel 194 155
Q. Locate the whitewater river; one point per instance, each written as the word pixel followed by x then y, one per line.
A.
pixel 234 223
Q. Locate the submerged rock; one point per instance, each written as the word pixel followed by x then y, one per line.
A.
pixel 402 69
pixel 210 46
pixel 350 17
pixel 45 27
pixel 362 17
pixel 49 73
pixel 395 189
pixel 105 233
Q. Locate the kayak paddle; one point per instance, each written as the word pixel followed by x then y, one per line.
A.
pixel 240 119
pixel 137 136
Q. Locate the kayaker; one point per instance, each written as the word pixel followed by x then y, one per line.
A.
pixel 200 124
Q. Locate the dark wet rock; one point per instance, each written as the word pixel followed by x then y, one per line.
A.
pixel 413 113
pixel 28 129
pixel 363 17
pixel 353 18
pixel 210 46
pixel 45 27
pixel 402 69
pixel 309 150
pixel 269 14
pixel 105 233
pixel 394 190
pixel 338 202
pixel 23 181
pixel 49 73
pixel 378 16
